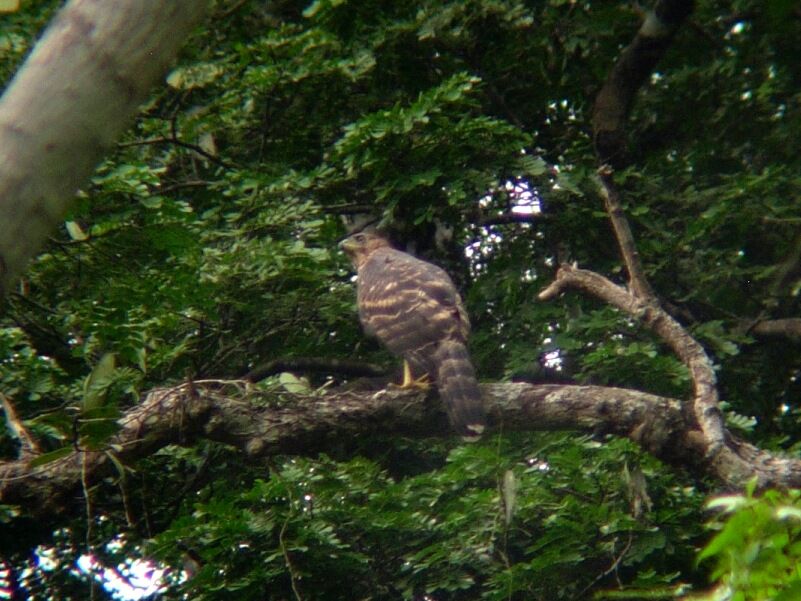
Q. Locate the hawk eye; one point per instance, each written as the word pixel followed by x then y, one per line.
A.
pixel 359 238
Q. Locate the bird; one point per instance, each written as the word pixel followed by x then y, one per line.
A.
pixel 414 309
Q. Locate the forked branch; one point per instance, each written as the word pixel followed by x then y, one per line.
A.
pixel 707 413
pixel 643 303
pixel 612 107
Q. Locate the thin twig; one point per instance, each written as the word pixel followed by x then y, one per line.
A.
pixel 89 526
pixel 290 568
pixel 509 218
pixel 293 577
pixel 194 147
pixel 26 299
pixel 625 239
pixel 782 220
pixel 188 184
pixel 18 430
pixel 787 271
pixel 348 208
pixel 224 14
pixel 611 568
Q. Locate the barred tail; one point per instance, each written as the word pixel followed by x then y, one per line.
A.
pixel 457 385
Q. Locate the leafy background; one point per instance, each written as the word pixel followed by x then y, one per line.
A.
pixel 206 245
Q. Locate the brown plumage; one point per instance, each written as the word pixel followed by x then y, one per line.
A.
pixel 413 308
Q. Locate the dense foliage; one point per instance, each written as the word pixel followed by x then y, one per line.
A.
pixel 205 245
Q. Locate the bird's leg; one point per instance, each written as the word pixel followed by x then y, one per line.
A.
pixel 408 379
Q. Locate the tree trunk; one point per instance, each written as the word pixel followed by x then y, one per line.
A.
pixel 72 98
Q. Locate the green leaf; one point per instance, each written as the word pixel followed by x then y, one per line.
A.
pixel 509 495
pixel 50 457
pixel 152 202
pixel 727 503
pixel 790 591
pixel 75 231
pixel 533 166
pixel 96 383
pixel 194 76
pixel 121 469
pixel 293 384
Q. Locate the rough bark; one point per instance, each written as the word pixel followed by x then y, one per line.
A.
pixel 71 99
pixel 610 113
pixel 305 425
pixel 707 414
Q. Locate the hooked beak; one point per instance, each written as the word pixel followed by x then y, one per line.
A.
pixel 348 246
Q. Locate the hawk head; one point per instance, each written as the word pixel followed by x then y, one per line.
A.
pixel 360 246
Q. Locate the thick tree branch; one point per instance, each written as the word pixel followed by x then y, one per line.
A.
pixel 705 405
pixel 71 99
pixel 240 417
pixel 612 107
pixel 778 328
pixel 632 69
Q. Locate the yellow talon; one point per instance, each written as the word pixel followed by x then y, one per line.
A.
pixel 422 382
